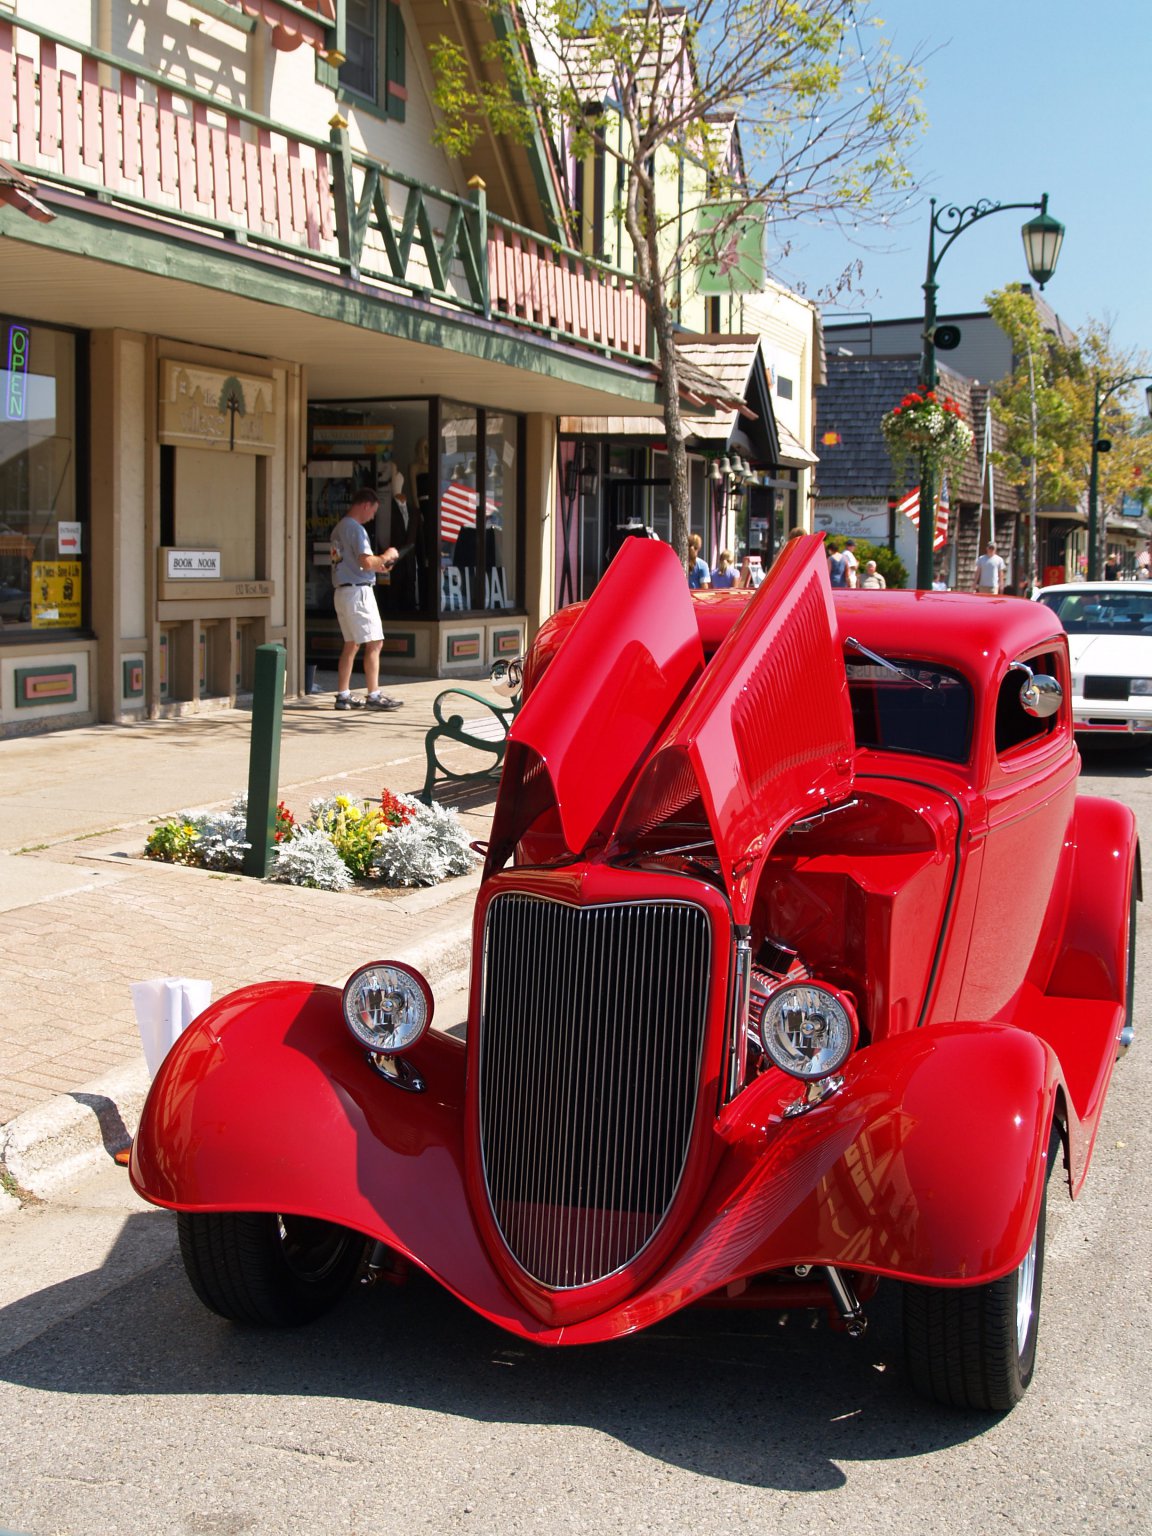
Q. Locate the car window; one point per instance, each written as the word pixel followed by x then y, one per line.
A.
pixel 1015 727
pixel 895 714
pixel 1102 613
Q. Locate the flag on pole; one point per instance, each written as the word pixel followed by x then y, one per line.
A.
pixel 910 506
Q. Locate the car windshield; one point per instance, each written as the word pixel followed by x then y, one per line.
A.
pixel 1102 613
pixel 892 713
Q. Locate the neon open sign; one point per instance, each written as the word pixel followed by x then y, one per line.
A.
pixel 16 399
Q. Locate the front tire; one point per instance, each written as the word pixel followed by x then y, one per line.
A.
pixel 975 1346
pixel 270 1270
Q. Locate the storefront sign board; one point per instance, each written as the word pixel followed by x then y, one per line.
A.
pixel 192 564
pixel 209 408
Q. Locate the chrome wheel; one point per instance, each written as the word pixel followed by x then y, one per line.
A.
pixel 1026 1293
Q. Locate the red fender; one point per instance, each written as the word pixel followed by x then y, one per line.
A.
pixel 929 1165
pixel 1076 994
pixel 268 1104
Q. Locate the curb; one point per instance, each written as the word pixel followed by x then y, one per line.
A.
pixel 48 1149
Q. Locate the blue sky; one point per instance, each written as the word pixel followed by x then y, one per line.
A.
pixel 1022 99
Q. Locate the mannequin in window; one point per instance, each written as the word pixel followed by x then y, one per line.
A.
pixel 406 534
pixel 419 478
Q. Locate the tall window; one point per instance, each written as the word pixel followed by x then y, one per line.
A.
pixel 43 551
pixel 374 70
pixel 479 480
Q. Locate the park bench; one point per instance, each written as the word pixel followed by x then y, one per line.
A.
pixel 486 733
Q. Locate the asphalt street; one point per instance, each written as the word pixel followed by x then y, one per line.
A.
pixel 125 1407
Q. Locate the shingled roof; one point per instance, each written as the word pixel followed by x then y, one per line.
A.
pixel 853 459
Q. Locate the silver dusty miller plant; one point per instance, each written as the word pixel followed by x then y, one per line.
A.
pixel 431 847
pixel 310 859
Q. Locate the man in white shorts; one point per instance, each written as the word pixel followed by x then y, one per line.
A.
pixel 354 569
pixel 990 569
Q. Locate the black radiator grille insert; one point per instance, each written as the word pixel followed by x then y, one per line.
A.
pixel 1107 688
pixel 591 1034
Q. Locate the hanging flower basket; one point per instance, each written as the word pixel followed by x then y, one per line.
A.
pixel 926 430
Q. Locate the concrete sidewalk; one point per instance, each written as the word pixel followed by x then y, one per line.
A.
pixel 82 915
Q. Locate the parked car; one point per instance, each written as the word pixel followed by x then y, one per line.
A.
pixel 1109 627
pixel 798 967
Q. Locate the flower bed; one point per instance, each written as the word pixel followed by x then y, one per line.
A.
pixel 397 842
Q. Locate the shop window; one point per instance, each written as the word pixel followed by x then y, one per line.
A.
pixel 479 480
pixel 43 546
pixel 382 444
pixel 373 73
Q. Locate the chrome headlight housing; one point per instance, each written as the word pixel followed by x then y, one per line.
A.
pixel 1140 685
pixel 387 1006
pixel 808 1029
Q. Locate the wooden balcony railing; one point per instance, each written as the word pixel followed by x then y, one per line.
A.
pixel 78 118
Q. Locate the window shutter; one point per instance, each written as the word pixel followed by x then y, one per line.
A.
pixel 396 94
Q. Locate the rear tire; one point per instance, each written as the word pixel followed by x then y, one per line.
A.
pixel 270 1270
pixel 975 1346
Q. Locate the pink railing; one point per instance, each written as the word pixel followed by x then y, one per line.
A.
pixel 77 117
pixel 147 141
pixel 560 290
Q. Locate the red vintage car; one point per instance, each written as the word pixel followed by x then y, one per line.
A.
pixel 798 967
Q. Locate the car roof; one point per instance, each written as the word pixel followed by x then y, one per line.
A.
pixel 971 633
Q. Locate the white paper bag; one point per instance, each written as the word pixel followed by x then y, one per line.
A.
pixel 165 1007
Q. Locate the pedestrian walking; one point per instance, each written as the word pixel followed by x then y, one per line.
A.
pixel 354 570
pixel 872 581
pixel 990 568
pixel 699 576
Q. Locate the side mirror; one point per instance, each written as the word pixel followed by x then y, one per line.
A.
pixel 508 676
pixel 1040 695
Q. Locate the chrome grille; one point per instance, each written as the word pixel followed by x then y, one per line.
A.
pixel 590 1047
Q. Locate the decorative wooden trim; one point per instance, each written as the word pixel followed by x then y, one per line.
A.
pixel 46 685
pixel 400 644
pixel 132 672
pixel 463 647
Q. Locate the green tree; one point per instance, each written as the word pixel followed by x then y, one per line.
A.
pixel 1046 405
pixel 826 114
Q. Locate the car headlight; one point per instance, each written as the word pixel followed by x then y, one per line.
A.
pixel 1140 685
pixel 808 1029
pixel 387 1006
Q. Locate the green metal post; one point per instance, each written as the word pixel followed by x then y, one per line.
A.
pixel 480 239
pixel 264 757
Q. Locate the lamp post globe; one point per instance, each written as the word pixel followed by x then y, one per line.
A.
pixel 1043 236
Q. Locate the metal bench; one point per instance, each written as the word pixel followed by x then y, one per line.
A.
pixel 486 733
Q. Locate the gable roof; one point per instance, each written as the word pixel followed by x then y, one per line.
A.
pixel 853 458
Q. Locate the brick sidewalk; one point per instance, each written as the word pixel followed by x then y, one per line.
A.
pixel 82 916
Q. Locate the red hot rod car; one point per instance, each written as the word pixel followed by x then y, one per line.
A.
pixel 798 964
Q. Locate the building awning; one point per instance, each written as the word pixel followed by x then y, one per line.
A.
pixel 293 21
pixel 740 417
pixel 793 454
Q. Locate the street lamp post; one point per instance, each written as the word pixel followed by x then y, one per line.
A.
pixel 1103 445
pixel 1043 236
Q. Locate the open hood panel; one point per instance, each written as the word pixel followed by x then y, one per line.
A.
pixel 765 736
pixel 608 693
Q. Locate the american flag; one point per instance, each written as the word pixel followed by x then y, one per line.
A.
pixel 458 503
pixel 910 506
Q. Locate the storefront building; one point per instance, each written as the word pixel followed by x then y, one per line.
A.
pixel 219 323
